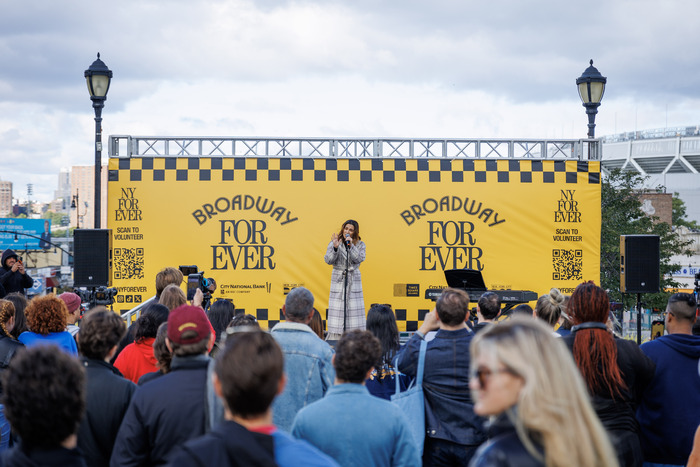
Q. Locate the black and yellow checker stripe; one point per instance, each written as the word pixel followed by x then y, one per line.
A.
pixel 238 169
pixel 268 318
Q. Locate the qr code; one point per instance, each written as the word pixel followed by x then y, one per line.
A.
pixel 568 264
pixel 128 263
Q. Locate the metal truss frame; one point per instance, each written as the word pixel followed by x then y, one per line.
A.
pixel 125 146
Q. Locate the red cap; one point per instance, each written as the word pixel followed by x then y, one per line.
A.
pixel 71 300
pixel 188 324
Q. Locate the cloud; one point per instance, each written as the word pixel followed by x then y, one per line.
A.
pixel 333 68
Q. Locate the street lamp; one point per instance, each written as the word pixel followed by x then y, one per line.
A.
pixel 98 77
pixel 591 86
pixel 75 204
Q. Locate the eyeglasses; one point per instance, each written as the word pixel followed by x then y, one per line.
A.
pixel 483 374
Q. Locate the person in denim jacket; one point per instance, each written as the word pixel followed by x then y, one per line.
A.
pixel 352 426
pixel 307 359
pixel 454 432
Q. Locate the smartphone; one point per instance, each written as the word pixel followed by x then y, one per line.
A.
pixel 192 285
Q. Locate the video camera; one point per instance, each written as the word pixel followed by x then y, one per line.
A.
pixel 196 280
pixel 101 295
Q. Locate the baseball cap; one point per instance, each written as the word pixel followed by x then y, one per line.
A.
pixel 188 324
pixel 71 300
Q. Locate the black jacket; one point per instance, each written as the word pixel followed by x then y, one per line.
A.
pixel 228 444
pixel 13 281
pixel 108 396
pixel 61 457
pixel 618 414
pixel 505 448
pixel 8 349
pixel 164 414
pixel 449 409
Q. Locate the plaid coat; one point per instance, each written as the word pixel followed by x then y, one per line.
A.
pixel 356 302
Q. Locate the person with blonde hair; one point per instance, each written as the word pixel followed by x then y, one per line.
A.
pixel 172 297
pixel 549 307
pixel 524 378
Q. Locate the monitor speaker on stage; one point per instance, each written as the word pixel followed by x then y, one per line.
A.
pixel 92 260
pixel 639 263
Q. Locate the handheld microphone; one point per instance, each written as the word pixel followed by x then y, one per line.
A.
pixel 347 240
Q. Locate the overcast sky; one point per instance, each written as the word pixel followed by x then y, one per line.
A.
pixel 413 69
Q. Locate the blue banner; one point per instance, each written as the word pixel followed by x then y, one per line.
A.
pixel 25 234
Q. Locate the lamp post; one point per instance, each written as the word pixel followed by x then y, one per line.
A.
pixel 591 86
pixel 75 204
pixel 98 77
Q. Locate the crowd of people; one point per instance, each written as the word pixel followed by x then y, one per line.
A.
pixel 553 386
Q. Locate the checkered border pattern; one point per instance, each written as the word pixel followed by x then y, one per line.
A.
pixel 406 320
pixel 219 169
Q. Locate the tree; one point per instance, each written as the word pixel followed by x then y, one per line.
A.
pixel 622 215
pixel 679 214
pixel 57 218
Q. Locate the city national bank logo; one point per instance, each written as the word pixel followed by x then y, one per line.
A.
pixel 246 288
pixel 128 206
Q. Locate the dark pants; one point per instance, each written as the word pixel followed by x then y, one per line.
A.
pixel 443 453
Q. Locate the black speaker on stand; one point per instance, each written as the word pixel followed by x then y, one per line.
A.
pixel 639 269
pixel 92 258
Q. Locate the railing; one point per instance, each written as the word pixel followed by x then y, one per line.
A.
pixel 124 146
pixel 133 314
pixel 656 133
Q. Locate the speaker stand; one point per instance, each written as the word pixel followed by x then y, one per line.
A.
pixel 639 319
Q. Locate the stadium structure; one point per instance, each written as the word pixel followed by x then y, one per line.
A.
pixel 670 158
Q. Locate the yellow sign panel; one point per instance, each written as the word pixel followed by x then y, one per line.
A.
pixel 261 226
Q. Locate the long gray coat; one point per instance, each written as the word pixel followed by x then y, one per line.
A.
pixel 356 303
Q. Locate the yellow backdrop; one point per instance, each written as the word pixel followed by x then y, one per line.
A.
pixel 260 226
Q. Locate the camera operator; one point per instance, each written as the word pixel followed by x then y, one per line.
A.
pixel 12 275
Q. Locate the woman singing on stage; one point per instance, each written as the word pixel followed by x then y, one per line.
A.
pixel 346 305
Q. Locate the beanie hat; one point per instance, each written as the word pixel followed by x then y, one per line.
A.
pixel 188 324
pixel 71 300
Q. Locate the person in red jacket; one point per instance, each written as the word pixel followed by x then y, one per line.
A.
pixel 138 358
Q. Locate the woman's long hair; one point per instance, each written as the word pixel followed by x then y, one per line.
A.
pixel 7 311
pixel 355 236
pixel 553 407
pixel 382 323
pixel 595 351
pixel 220 314
pixel 172 297
pixel 20 302
pixel 316 324
pixel 160 349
